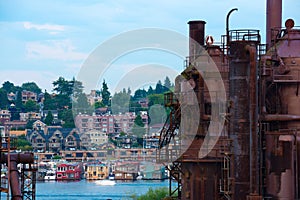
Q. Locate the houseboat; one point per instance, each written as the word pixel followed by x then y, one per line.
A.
pixel 96 171
pixel 68 171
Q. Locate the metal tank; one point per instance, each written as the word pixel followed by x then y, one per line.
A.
pixel 258 154
pixel 281 75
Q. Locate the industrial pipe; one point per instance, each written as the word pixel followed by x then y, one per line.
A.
pixel 274 18
pixel 15 159
pixel 254 169
pixel 227 25
pixel 280 117
pixel 196 41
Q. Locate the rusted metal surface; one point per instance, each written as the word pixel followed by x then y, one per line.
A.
pixel 197 34
pixel 239 117
pixel 282 112
pixel 15 159
pixel 253 97
pixel 262 133
pixel 274 15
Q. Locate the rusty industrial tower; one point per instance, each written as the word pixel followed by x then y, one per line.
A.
pixel 18 171
pixel 234 133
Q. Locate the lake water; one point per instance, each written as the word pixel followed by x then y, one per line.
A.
pixel 91 191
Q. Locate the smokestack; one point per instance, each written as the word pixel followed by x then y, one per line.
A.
pixel 197 32
pixel 274 15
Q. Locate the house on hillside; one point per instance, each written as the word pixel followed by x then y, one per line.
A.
pixel 54 139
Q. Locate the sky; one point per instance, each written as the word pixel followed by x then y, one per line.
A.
pixel 43 40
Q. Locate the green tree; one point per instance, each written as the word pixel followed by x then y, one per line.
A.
pixel 159 88
pixel 157 194
pixel 49 118
pixel 8 87
pixel 139 94
pixel 63 86
pixel 31 86
pixel 31 106
pixel 120 102
pixel 105 94
pixel 81 105
pixel 3 99
pixel 150 90
pixel 67 116
pixel 167 83
pixel 77 88
pixel 29 124
pixel 23 144
pixel 99 104
pixel 138 128
pixel 49 102
pixel 19 105
pixel 155 99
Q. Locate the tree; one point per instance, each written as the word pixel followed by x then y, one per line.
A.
pixel 138 128
pixel 99 104
pixel 23 144
pixel 155 99
pixel 105 94
pixel 120 102
pixel 81 105
pixel 67 116
pixel 49 102
pixel 167 83
pixel 63 87
pixel 157 194
pixel 150 90
pixel 140 94
pixel 31 106
pixel 49 118
pixel 3 99
pixel 31 86
pixel 77 87
pixel 8 87
pixel 159 88
pixel 29 124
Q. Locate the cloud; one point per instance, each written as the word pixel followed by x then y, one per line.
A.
pixel 47 27
pixel 53 49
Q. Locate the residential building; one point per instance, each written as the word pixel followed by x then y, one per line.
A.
pixel 126 170
pixel 108 123
pixel 103 153
pixel 95 138
pixel 4 116
pixel 54 139
pixel 94 97
pixel 15 125
pixel 30 116
pixel 104 123
pixel 28 95
pixel 11 96
pixel 68 171
pixel 96 171
pixel 39 125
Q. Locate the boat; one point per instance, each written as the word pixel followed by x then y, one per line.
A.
pixel 50 175
pixel 105 182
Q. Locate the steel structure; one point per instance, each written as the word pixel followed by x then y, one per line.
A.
pixel 17 184
pixel 256 154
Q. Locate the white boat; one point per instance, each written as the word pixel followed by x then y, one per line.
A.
pixel 50 175
pixel 105 182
